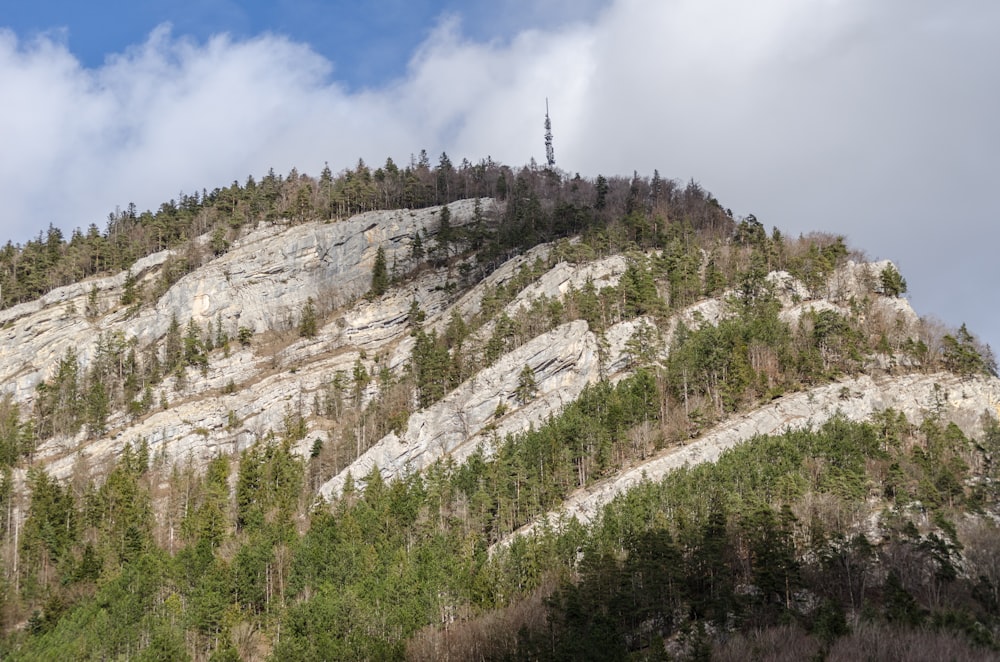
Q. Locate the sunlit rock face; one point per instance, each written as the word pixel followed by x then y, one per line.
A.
pixel 941 395
pixel 264 280
pixel 261 283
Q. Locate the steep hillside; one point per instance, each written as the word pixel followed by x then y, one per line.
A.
pixel 259 287
pixel 465 430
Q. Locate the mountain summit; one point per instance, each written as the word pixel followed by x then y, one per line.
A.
pixel 477 413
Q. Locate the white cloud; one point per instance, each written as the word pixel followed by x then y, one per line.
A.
pixel 489 99
pixel 167 116
pixel 876 120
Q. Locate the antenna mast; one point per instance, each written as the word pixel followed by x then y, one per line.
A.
pixel 550 153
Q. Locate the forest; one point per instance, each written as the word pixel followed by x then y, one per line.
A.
pixel 837 542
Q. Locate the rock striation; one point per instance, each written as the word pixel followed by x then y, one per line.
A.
pixel 564 361
pixel 261 283
pixel 943 395
pixel 265 278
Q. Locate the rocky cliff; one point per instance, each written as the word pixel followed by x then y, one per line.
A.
pixel 940 395
pixel 385 436
pixel 262 282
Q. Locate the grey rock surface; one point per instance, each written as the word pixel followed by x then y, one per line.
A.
pixel 962 401
pixel 265 278
pixel 261 283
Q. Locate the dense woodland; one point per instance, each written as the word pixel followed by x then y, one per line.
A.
pixel 770 549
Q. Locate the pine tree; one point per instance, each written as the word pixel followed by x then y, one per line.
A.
pixel 131 291
pixel 715 280
pixel 416 248
pixel 52 526
pixel 360 379
pixel 92 308
pixel 526 386
pixel 380 275
pixel 445 233
pixel 307 322
pixel 638 291
pixel 11 432
pixel 603 188
pixel 415 316
pixel 444 174
pixel 893 283
pixel 244 335
pixel 430 363
pixel 194 348
pixel 961 355
pixel 655 189
pixel 173 352
pixel 96 408
pixel 221 337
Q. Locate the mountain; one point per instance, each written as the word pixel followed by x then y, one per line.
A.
pixel 571 420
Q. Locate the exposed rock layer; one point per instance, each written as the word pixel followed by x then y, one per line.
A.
pixel 961 401
pixel 263 281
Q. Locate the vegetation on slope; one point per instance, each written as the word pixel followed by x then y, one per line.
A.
pixel 238 563
pixel 777 533
pixel 543 205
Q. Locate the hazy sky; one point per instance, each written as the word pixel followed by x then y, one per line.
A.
pixel 876 120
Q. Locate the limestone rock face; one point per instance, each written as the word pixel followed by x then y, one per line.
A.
pixel 564 361
pixel 266 277
pixel 261 283
pixel 787 288
pixel 471 302
pixel 557 281
pixel 962 401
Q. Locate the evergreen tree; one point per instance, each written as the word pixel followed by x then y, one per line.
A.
pixel 131 291
pixel 416 248
pixel 430 364
pixel 360 380
pixel 11 431
pixel 445 234
pixel 893 283
pixel 60 402
pixel 961 355
pixel 92 307
pixel 526 387
pixel 715 280
pixel 445 171
pixel 96 408
pixel 638 291
pixel 307 321
pixel 602 189
pixel 218 243
pixel 221 337
pixel 194 347
pixel 173 352
pixel 415 316
pixel 244 335
pixel 380 274
pixel 51 528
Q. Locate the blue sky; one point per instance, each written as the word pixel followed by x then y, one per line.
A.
pixel 875 120
pixel 368 42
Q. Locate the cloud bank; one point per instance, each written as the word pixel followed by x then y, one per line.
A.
pixel 874 120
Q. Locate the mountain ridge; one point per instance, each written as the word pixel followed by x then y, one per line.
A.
pixel 276 352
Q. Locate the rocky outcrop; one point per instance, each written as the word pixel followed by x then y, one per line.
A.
pixel 261 283
pixel 462 422
pixel 557 281
pixel 242 396
pixel 962 401
pixel 563 361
